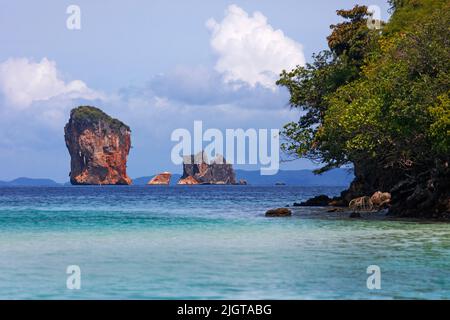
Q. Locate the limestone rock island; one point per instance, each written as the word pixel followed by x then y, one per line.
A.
pixel 198 170
pixel 161 179
pixel 98 147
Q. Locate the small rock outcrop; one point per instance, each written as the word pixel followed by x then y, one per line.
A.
pixel 161 179
pixel 204 172
pixel 361 204
pixel 98 147
pixel 280 212
pixel 380 199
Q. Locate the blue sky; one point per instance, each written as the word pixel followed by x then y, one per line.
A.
pixel 156 65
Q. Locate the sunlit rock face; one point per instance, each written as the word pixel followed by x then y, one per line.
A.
pixel 98 147
pixel 161 179
pixel 201 170
pixel 188 181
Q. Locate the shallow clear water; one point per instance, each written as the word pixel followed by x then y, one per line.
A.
pixel 208 242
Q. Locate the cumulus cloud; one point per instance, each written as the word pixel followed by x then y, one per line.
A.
pixel 199 85
pixel 23 82
pixel 250 50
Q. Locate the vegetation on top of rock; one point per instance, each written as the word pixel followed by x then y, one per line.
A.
pixel 89 114
pixel 407 13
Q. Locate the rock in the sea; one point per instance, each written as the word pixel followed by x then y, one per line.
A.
pixel 204 172
pixel 161 179
pixel 188 181
pixel 280 212
pixel 427 196
pixel 381 199
pixel 319 201
pixel 98 147
pixel 361 204
pixel 243 182
pixel 338 202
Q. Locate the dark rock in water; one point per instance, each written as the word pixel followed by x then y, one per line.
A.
pixel 338 202
pixel 201 170
pixel 355 215
pixel 243 182
pixel 425 196
pixel 416 192
pixel 319 201
pixel 98 147
pixel 280 212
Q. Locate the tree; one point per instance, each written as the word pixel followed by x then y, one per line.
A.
pixel 380 102
pixel 350 43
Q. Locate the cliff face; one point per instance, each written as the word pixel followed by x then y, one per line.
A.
pixel 198 168
pixel 417 194
pixel 369 178
pixel 98 147
pixel 426 195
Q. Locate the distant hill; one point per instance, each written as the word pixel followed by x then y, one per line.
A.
pixel 336 177
pixel 29 182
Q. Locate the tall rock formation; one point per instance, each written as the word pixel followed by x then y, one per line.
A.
pixel 98 147
pixel 198 168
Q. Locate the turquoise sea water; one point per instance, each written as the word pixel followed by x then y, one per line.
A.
pixel 208 242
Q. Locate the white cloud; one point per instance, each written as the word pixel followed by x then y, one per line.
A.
pixel 23 82
pixel 250 50
pixel 199 85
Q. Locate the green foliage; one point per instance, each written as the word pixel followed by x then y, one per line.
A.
pixel 88 114
pixel 439 131
pixel 310 86
pixel 351 38
pixel 409 13
pixel 380 97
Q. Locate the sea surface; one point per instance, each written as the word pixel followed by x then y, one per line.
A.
pixel 209 242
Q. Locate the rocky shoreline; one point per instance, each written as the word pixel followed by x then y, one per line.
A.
pixel 342 213
pixel 376 207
